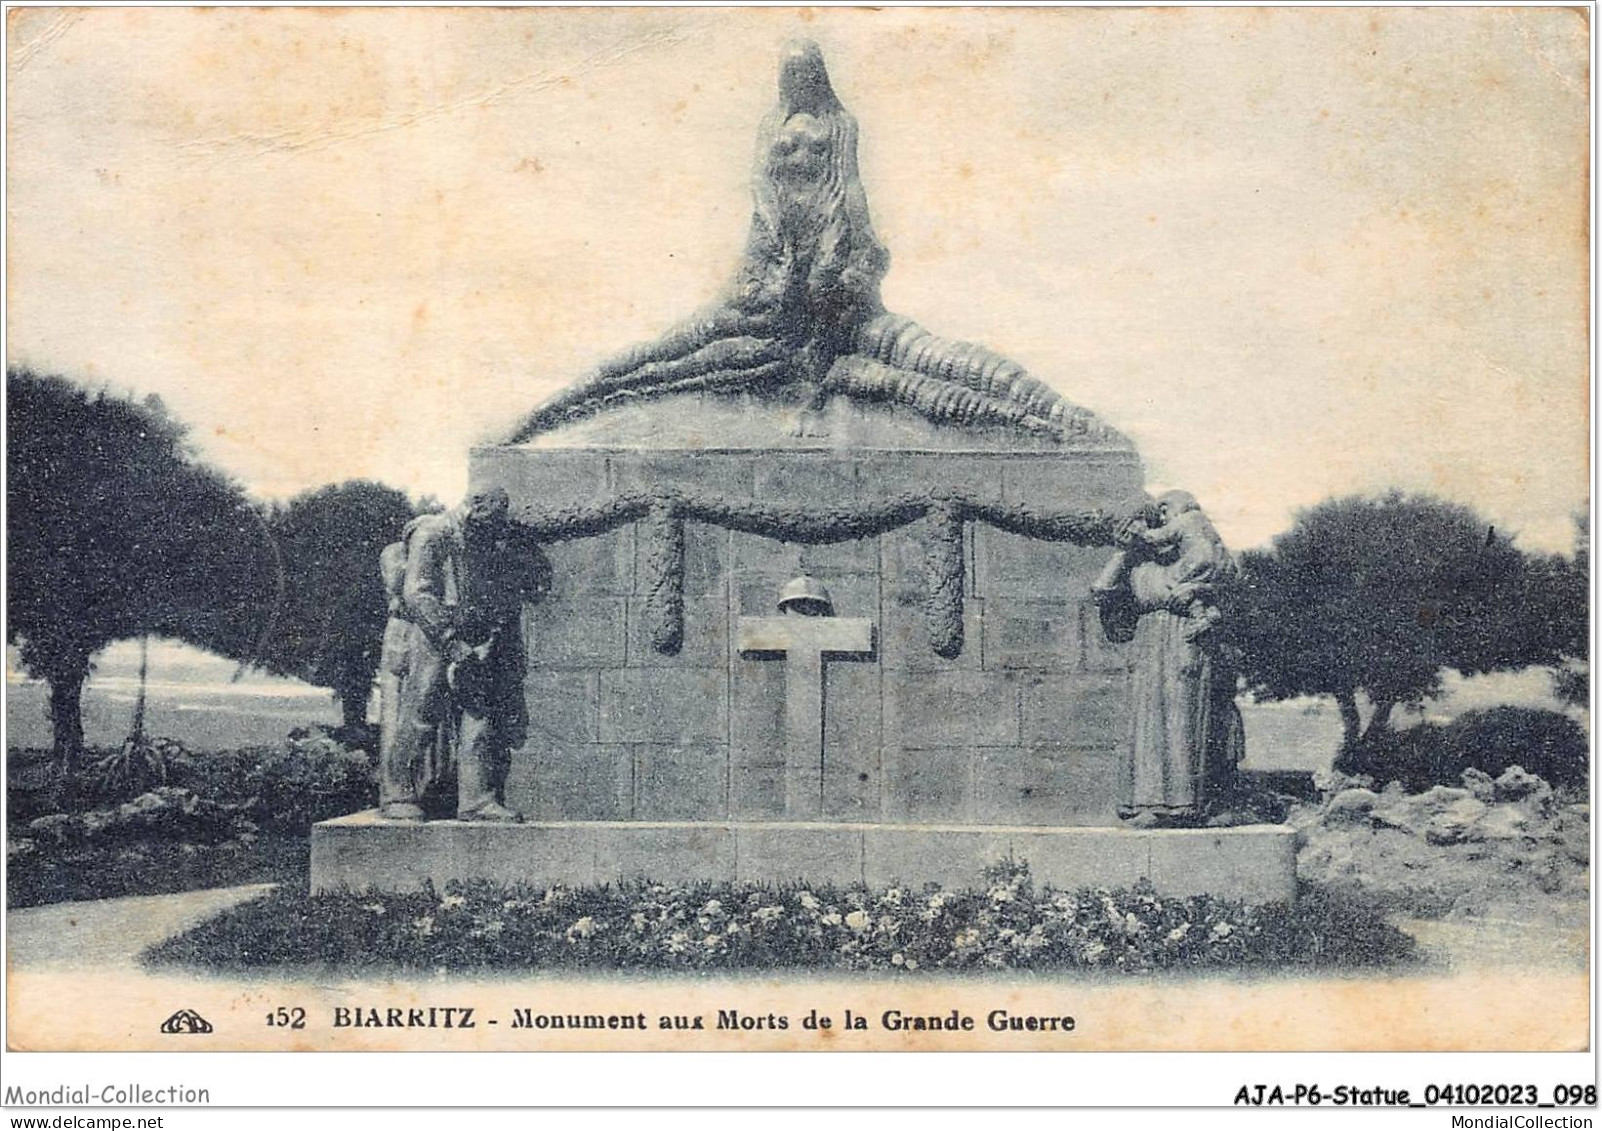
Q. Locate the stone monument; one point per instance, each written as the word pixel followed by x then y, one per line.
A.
pixel 944 516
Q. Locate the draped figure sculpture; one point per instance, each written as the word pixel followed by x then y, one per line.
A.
pixel 804 306
pixel 1160 595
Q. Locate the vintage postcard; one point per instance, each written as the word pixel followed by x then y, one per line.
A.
pixel 801 529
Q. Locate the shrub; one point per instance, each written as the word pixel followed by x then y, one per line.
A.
pixel 1546 743
pixel 309 779
pixel 1416 757
pixel 119 835
pixel 135 769
pixel 288 788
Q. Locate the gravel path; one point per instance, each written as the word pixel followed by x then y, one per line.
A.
pixel 105 933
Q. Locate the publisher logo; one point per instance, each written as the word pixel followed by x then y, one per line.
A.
pixel 186 1021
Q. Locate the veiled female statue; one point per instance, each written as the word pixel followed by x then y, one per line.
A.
pixel 1160 596
pixel 803 307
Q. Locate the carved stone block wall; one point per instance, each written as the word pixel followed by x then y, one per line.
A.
pixel 1022 727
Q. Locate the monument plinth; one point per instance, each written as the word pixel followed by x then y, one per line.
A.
pixel 958 702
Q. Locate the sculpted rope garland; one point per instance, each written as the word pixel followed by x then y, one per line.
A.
pixel 662 516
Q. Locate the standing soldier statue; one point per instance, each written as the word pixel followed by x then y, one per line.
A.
pixel 453 660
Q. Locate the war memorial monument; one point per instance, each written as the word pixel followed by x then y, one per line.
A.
pixel 829 598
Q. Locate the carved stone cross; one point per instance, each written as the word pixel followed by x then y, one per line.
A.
pixel 804 640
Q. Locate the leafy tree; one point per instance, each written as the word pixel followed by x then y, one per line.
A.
pixel 334 611
pixel 1560 598
pixel 1380 595
pixel 114 531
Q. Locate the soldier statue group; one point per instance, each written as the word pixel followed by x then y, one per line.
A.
pixel 452 668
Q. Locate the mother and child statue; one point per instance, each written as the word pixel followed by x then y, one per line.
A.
pixel 452 667
pixel 803 311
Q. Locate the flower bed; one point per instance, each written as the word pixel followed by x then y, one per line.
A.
pixel 1010 925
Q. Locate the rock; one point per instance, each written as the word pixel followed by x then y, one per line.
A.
pixel 51 825
pixel 1502 822
pixel 96 821
pixel 1574 831
pixel 1396 813
pixel 1440 798
pixel 1333 781
pixel 1350 806
pixel 142 805
pixel 1516 783
pixel 1457 822
pixel 1549 877
pixel 1480 784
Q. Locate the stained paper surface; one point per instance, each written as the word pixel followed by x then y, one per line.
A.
pixel 1290 253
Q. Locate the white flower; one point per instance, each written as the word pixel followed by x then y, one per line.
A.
pixel 832 919
pixel 713 907
pixel 768 914
pixel 808 900
pixel 1002 893
pixel 375 908
pixel 451 901
pixel 638 919
pixel 677 941
pixel 582 929
pixel 898 959
pixel 1222 931
pixel 711 941
pixel 858 921
pixel 912 964
pixel 1178 933
pixel 511 905
pixel 1133 927
pixel 966 937
pixel 1094 951
pixel 425 925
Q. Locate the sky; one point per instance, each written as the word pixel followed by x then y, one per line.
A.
pixel 1291 253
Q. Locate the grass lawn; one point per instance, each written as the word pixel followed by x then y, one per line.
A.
pixel 153 868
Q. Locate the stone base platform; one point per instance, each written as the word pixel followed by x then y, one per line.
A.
pixel 1255 863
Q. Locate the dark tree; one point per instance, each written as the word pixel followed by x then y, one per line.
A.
pixel 116 531
pixel 1560 602
pixel 1380 595
pixel 334 611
